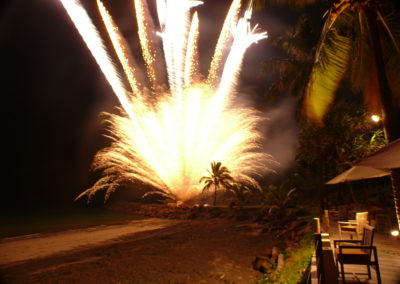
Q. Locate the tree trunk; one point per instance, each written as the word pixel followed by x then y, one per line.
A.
pixel 391 111
pixel 215 194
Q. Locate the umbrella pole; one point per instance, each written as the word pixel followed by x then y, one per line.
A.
pixel 353 196
pixel 395 177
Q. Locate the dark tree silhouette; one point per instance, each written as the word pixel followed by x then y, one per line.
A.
pixel 219 176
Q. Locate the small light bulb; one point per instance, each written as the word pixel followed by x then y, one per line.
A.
pixel 375 118
pixel 395 233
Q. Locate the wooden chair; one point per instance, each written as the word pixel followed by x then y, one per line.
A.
pixel 358 252
pixel 354 226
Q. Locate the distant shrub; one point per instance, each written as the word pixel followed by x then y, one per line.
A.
pixel 297 262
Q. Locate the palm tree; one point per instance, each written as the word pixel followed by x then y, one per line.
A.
pixel 239 192
pixel 295 67
pixel 279 196
pixel 360 40
pixel 219 176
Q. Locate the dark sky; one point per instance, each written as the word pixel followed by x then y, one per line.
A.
pixel 53 92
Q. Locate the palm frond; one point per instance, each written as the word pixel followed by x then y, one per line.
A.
pixel 361 56
pixel 298 41
pixel 204 179
pixel 336 13
pixel 207 186
pixel 293 77
pixel 390 40
pixel 331 64
pixel 391 21
pixel 291 192
pixel 273 65
pixel 389 17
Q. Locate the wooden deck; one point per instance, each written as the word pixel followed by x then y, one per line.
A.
pixel 388 255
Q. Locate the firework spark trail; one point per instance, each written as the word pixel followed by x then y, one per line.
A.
pixel 192 69
pixel 170 143
pixel 244 36
pixel 150 44
pixel 122 50
pixel 175 27
pixel 223 44
pixel 175 19
pixel 96 46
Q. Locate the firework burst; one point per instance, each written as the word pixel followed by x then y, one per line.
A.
pixel 169 138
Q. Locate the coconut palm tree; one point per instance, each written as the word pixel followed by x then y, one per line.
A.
pixel 218 177
pixel 361 41
pixel 239 193
pixel 294 68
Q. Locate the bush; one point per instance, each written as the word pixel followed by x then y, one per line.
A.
pixel 297 262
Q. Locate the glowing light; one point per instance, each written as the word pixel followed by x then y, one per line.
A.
pixel 375 118
pixel 395 233
pixel 169 140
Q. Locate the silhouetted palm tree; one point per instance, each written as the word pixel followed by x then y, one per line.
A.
pixel 219 176
pixel 239 192
pixel 294 68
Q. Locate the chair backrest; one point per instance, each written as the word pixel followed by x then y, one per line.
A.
pixel 368 235
pixel 316 225
pixel 343 213
pixel 327 272
pixel 327 222
pixel 362 219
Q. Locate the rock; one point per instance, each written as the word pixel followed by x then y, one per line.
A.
pixel 281 262
pixel 275 252
pixel 262 264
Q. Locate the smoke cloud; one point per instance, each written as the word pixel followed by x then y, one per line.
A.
pixel 280 130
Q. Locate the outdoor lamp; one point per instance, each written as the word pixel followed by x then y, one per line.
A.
pixel 375 118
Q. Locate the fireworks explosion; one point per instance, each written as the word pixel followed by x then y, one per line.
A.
pixel 167 137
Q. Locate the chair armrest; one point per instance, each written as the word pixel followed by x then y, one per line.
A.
pixel 350 222
pixel 346 241
pixel 357 247
pixel 362 248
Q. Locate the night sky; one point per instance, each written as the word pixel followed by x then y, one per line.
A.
pixel 53 93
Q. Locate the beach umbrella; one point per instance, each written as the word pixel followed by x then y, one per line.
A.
pixel 386 158
pixel 357 173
